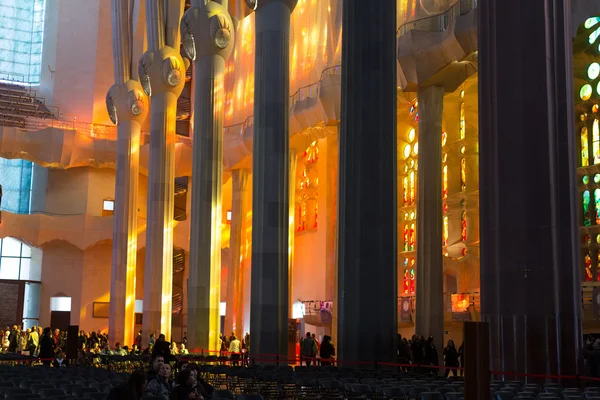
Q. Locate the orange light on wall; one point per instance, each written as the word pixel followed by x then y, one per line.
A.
pixel 405 190
pixel 445 182
pixel 463 174
pixel 412 237
pixel 411 177
pixel 588 267
pixel 445 231
pixel 463 224
pixel 460 302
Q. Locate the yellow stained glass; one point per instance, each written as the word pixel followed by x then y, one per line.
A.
pixel 445 231
pixel 411 196
pixel 444 138
pixel 445 182
pixel 585 151
pixel 416 148
pixel 463 174
pixel 461 127
pixel 585 93
pixel 407 150
pixel 596 141
pixel 593 70
pixel 411 135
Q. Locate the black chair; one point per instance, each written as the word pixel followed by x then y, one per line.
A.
pixel 8 393
pixel 36 388
pixel 102 387
pixel 96 396
pixel 431 396
pixel 81 391
pixel 504 395
pixel 453 396
pixel 153 397
pixel 222 395
pixel 45 393
pixel 250 397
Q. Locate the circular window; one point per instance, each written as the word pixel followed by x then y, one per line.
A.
pixel 597 178
pixel 462 150
pixel 407 150
pixel 416 148
pixel 585 179
pixel 585 92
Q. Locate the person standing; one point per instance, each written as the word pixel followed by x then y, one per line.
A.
pixel 308 349
pixel 327 351
pixel 451 358
pixel 47 347
pixel 235 348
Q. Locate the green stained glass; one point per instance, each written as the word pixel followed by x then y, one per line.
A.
pixel 587 220
pixel 21 39
pixel 591 22
pixel 594 35
pixel 586 179
pixel 593 70
pixel 597 178
pixel 597 205
pixel 586 92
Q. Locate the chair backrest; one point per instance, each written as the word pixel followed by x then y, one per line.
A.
pixel 250 397
pixel 222 395
pixel 454 396
pixel 14 391
pixel 51 392
pixel 431 396
pixel 80 391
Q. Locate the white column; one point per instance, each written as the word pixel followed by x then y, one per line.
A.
pixel 162 74
pixel 209 49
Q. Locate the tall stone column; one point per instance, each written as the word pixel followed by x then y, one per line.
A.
pixel 530 275
pixel 162 75
pixel 292 227
pixel 367 242
pixel 208 35
pixel 270 177
pixel 430 266
pixel 239 208
pixel 127 107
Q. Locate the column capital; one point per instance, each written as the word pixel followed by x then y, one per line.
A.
pixel 254 5
pixel 208 29
pixel 127 102
pixel 162 71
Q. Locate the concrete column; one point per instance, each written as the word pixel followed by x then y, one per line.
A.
pixel 270 178
pixel 235 285
pixel 127 106
pixel 209 49
pixel 367 237
pixel 530 275
pixel 430 266
pixel 162 75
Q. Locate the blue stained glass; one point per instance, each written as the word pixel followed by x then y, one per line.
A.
pixel 21 36
pixel 587 220
pixel 15 178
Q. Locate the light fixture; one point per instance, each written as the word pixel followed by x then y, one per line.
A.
pixel 228 215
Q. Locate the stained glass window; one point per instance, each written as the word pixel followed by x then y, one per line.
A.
pixel 463 174
pixel 461 127
pixel 597 265
pixel 406 237
pixel 406 281
pixel 445 182
pixel 585 179
pixel 405 190
pixel 585 93
pixel 412 237
pixel 594 34
pixel 412 280
pixel 597 205
pixel 21 40
pixel 411 196
pixel 15 178
pixel 596 141
pixel 445 231
pixel 588 267
pixel 444 138
pixel 463 225
pixel 585 152
pixel 587 220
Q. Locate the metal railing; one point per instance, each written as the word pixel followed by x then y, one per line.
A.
pixel 438 22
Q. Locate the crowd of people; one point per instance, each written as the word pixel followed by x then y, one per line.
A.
pixel 423 353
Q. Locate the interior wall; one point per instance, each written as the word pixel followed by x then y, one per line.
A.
pixel 101 186
pixel 96 271
pixel 103 78
pixel 75 67
pixel 62 274
pixel 51 21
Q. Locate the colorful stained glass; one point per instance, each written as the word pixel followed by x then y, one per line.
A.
pixel 407 150
pixel 445 182
pixel 416 148
pixel 444 138
pixel 585 93
pixel 587 219
pixel 597 178
pixel 411 135
pixel 596 141
pixel 463 174
pixel 585 151
pixel 315 225
pixel 406 281
pixel 412 184
pixel 585 179
pixel 406 232
pixel 598 264
pixel 405 190
pixel 412 237
pixel 593 70
pixel 312 153
pixel 445 231
pixel 463 226
pixel 597 205
pixel 461 126
pixel 412 281
pixel 588 267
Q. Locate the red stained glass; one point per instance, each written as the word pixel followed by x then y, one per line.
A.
pixel 412 281
pixel 463 223
pixel 412 237
pixel 588 267
pixel 406 232
pixel 406 282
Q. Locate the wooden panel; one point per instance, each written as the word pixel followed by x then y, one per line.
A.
pixel 101 309
pixel 11 310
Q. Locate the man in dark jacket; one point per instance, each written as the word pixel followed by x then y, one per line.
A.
pixel 162 348
pixel 13 340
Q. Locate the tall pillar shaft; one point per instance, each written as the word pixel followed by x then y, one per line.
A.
pixel 235 284
pixel 204 285
pixel 124 253
pixel 158 277
pixel 292 227
pixel 430 267
pixel 530 278
pixel 270 177
pixel 367 234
